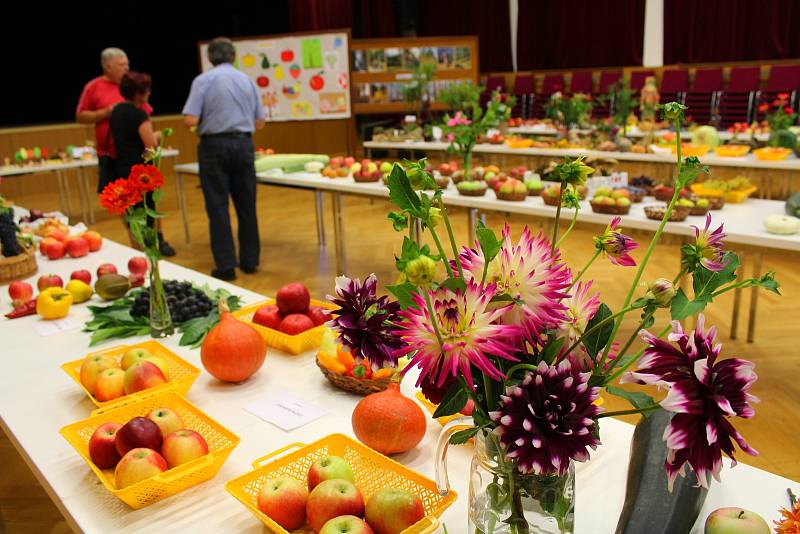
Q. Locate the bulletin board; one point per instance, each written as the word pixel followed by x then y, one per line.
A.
pixel 300 76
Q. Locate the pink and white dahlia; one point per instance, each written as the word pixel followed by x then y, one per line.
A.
pixel 531 274
pixel 459 119
pixel 707 248
pixel 703 394
pixel 616 245
pixel 581 307
pixel 468 330
pixel 548 419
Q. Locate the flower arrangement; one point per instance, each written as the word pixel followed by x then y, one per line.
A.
pixel 569 112
pixel 778 114
pixel 622 102
pixel 526 338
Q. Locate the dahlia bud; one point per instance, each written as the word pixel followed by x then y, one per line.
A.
pixel 434 217
pixel 661 292
pixel 421 271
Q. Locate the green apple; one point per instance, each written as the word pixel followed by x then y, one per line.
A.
pixel 685 202
pixel 372 167
pixel 702 203
pixel 603 192
pixel 355 167
pixel 386 167
pixel 329 468
pixel 132 356
pixel 735 521
pixel 623 201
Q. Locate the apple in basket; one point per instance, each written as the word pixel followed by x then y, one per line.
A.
pixel 346 524
pixel 132 356
pixel 137 465
pixel 143 375
pixel 110 385
pixel 333 498
pixel 295 323
pixel 183 446
pixel 102 448
pixel 292 298
pixel 329 468
pixel 137 433
pixel 268 316
pixel 167 420
pixel 318 315
pixel 91 368
pixel 284 499
pixel 391 511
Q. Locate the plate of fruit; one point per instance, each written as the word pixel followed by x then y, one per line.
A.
pixel 614 202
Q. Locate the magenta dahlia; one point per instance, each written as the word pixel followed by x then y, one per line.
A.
pixel 468 329
pixel 531 274
pixel 581 307
pixel 703 393
pixel 707 249
pixel 548 419
pixel 616 245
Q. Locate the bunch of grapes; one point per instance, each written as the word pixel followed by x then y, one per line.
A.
pixel 184 301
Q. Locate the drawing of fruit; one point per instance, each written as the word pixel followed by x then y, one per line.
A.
pixel 248 60
pixel 262 81
pixel 291 91
pixel 278 72
pixel 316 82
pixel 287 55
pixel 343 80
pixel 264 61
pixel 294 70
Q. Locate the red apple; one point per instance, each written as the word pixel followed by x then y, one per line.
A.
pixel 143 375
pixel 137 465
pixel 333 498
pixel 110 385
pixel 49 280
pixel 137 265
pixel 106 268
pixel 318 315
pixel 83 275
pixel 56 250
pixel 183 446
pixel 346 524
pixel 58 235
pixel 268 316
pixel 735 521
pixel 167 420
pixel 329 468
pixel 391 511
pixel 102 450
pixel 20 293
pixel 348 161
pixel 44 243
pixel 91 368
pixel 95 240
pixel 283 499
pixel 292 298
pixel 138 432
pixel 295 323
pixel 77 247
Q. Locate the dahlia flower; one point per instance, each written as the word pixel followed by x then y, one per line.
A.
pixel 529 273
pixel 459 118
pixel 581 307
pixel 789 522
pixel 548 419
pixel 707 248
pixel 364 321
pixel 146 178
pixel 703 394
pixel 616 245
pixel 468 333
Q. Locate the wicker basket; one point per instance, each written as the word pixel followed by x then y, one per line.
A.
pixel 609 209
pixel 656 212
pixel 366 179
pixel 512 197
pixel 535 192
pixel 714 202
pixel 697 210
pixel 20 266
pixel 550 201
pixel 472 192
pixel 359 386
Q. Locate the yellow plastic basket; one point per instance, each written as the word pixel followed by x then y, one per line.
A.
pixel 373 472
pixel 733 197
pixel 220 444
pixel 310 339
pixel 181 373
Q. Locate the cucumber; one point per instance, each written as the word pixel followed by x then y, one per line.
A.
pixel 287 162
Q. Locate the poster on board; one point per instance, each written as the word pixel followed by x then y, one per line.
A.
pixel 299 77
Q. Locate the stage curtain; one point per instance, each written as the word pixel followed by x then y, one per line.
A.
pixel 366 18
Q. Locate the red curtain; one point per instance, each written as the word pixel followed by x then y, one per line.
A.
pixel 366 18
pixel 579 33
pixel 730 30
pixel 487 20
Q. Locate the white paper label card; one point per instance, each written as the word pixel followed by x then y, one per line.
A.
pixel 49 328
pixel 436 132
pixel 286 411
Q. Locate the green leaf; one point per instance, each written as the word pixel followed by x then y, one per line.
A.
pixel 455 398
pixel 505 297
pixel 404 293
pixel 399 221
pixel 401 193
pixel 705 282
pixel 641 303
pixel 158 194
pixel 597 340
pixel 769 283
pixel 488 241
pixel 455 284
pixel 690 170
pixel 552 349
pixel 682 307
pixel 637 399
pixel 463 436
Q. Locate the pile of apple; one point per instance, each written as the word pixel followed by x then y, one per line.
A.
pixel 291 313
pixel 332 504
pixel 447 169
pixel 57 244
pixel 107 379
pixel 605 196
pixel 145 446
pixel 338 167
pixel 369 169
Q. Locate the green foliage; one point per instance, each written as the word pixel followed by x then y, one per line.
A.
pixel 404 293
pixel 621 95
pixel 463 436
pixel 568 111
pixel 640 401
pixel 691 169
pixel 597 340
pixel 417 88
pixel 460 96
pixel 454 400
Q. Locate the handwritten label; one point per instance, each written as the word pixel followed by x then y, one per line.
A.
pixel 49 328
pixel 286 411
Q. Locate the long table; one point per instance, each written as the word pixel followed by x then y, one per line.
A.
pixel 60 168
pixel 635 133
pixel 37 398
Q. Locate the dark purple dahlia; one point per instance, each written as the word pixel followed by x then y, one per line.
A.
pixel 548 419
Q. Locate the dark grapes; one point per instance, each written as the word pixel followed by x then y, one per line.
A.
pixel 184 302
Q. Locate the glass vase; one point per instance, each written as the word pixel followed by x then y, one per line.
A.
pixel 466 164
pixel 160 318
pixel 504 501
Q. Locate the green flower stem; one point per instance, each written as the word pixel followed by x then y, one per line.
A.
pixel 433 316
pixel 585 268
pixel 571 226
pixel 680 275
pixel 452 238
pixel 411 227
pixel 638 354
pixel 485 270
pixel 441 252
pixel 558 217
pixel 630 339
pixel 488 392
pixel 598 326
pixel 630 412
pixel 650 248
pixel 520 366
pixel 744 284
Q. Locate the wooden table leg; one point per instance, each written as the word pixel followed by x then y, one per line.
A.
pixel 751 323
pixel 87 188
pixel 83 197
pixel 182 205
pixel 62 195
pixel 319 204
pixel 338 234
pixel 472 220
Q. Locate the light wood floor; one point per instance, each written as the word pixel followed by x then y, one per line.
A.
pixel 290 252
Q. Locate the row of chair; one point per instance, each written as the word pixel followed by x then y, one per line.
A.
pixel 707 97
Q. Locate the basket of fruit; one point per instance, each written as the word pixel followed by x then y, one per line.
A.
pixel 689 149
pixel 636 194
pixel 771 153
pixel 700 207
pixel 17 253
pixel 519 142
pixel 512 190
pixel 312 485
pixel 656 212
pixel 292 322
pixel 735 190
pixel 732 151
pixel 442 181
pixel 125 373
pixel 342 369
pixel 472 188
pixel 664 193
pixel 534 185
pixel 611 206
pixel 151 449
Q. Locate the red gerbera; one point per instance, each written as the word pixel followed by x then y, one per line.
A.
pixel 788 110
pixel 120 195
pixel 146 178
pixel 763 108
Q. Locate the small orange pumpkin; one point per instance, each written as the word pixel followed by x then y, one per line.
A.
pixel 388 421
pixel 232 350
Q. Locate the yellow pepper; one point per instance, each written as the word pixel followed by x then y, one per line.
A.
pixel 345 357
pixel 331 364
pixel 385 372
pixel 53 303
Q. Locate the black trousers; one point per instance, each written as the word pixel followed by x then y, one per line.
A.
pixel 227 169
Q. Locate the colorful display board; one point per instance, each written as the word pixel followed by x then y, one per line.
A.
pixel 299 76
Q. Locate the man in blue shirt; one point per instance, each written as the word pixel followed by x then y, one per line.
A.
pixel 225 107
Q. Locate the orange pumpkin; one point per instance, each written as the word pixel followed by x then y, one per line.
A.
pixel 232 350
pixel 388 421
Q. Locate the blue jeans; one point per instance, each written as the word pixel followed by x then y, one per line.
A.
pixel 227 169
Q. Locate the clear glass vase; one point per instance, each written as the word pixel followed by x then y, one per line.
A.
pixel 466 164
pixel 160 318
pixel 504 501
